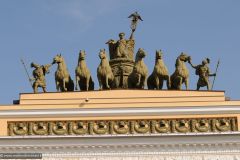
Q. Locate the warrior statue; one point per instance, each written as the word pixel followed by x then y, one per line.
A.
pixel 202 70
pixel 39 76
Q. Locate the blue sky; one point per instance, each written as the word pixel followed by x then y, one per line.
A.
pixel 37 30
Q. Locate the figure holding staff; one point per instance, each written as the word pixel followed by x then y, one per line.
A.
pixel 203 71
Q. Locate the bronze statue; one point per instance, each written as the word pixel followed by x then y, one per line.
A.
pixel 135 17
pixel 122 55
pixel 39 76
pixel 62 76
pixel 104 72
pixel 121 59
pixel 83 75
pixel 159 74
pixel 181 73
pixel 122 48
pixel 203 71
pixel 122 70
pixel 139 74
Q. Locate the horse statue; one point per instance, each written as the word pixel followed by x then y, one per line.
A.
pixel 181 73
pixel 82 74
pixel 62 77
pixel 159 74
pixel 104 72
pixel 139 74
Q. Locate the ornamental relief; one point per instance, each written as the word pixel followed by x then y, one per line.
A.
pixel 116 127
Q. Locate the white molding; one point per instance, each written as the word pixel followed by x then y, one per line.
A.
pixel 148 111
pixel 203 146
pixel 177 141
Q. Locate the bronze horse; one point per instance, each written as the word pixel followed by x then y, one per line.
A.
pixel 82 74
pixel 62 76
pixel 104 72
pixel 181 74
pixel 137 78
pixel 159 74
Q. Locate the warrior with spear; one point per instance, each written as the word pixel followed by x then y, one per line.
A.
pixel 38 75
pixel 203 71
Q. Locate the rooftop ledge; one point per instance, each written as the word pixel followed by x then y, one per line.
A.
pixel 121 98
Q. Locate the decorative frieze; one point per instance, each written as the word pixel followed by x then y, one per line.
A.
pixel 116 127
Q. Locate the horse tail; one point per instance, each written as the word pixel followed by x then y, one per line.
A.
pixel 91 84
pixel 70 84
pixel 172 78
pixel 150 82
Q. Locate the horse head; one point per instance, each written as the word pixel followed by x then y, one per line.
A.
pixel 140 54
pixel 102 54
pixel 58 59
pixel 184 57
pixel 82 55
pixel 159 54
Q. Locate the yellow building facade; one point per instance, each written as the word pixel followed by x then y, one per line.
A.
pixel 123 124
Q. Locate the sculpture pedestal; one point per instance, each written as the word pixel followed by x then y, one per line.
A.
pixel 121 69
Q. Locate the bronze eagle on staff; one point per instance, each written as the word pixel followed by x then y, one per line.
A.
pixel 135 17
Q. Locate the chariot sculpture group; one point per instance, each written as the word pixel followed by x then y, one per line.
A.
pixel 122 70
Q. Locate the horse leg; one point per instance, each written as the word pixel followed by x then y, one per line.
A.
pixel 168 81
pixel 161 83
pixel 44 89
pixel 138 80
pixel 156 79
pixel 208 86
pixel 87 82
pixel 64 85
pixel 186 83
pixel 143 80
pixel 100 83
pixel 198 87
pixel 106 79
pixel 180 83
pixel 77 78
pixel 57 85
pixel 173 81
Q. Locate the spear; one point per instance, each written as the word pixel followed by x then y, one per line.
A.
pixel 215 73
pixel 25 68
